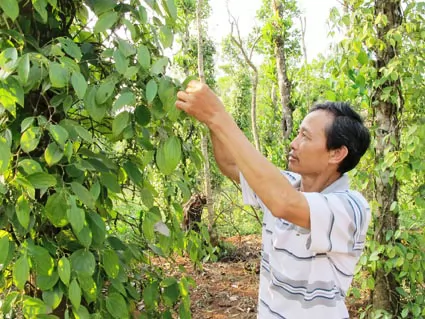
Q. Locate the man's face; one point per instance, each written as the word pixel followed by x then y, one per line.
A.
pixel 309 155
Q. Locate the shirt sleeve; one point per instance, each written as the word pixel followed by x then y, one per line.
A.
pixel 338 222
pixel 248 195
pixel 250 198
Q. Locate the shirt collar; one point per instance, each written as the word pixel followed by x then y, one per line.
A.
pixel 341 184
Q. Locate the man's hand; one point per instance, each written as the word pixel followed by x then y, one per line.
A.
pixel 199 101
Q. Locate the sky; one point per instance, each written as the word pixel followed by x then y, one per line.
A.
pixel 315 11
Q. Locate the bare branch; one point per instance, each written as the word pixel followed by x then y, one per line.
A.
pixel 254 45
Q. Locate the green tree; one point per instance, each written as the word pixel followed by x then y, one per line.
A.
pixel 382 60
pixel 88 124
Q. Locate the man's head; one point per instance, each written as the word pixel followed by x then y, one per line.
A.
pixel 331 136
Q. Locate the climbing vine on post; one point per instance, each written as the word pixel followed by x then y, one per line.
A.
pixel 87 119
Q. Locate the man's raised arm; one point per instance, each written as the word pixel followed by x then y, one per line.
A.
pixel 225 161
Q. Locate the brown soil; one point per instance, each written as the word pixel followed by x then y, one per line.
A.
pixel 229 288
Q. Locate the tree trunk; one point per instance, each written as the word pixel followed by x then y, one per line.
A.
pixel 303 22
pixel 204 136
pixel 387 125
pixel 254 79
pixel 254 111
pixel 283 81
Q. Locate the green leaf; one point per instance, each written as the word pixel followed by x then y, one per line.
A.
pixel 105 91
pixel 23 211
pixel 24 69
pixel 171 9
pixel 83 262
pixel 171 294
pixel 59 75
pixel 148 226
pixel 134 173
pixel 83 133
pixel 10 8
pixel 8 59
pixel 41 260
pixel 4 246
pixel 5 155
pixel 30 139
pixel 26 123
pixel 71 48
pixel 111 263
pixel 21 272
pixel 47 282
pixel 362 57
pixel 116 306
pixel 118 286
pixel 143 115
pixel 147 198
pixel 16 89
pixel 56 209
pixel 166 36
pixel 68 151
pixel 40 7
pixel 84 236
pixel 159 66
pixel 83 313
pixel 59 134
pixel 64 270
pixel 131 72
pixel 101 6
pixel 151 295
pixel 110 181
pixel 167 94
pixel 98 228
pixel 41 180
pixel 144 57
pixel 168 155
pixel 53 3
pixel 95 190
pixel 151 90
pixel 83 195
pixel 34 308
pixel 9 301
pixel 106 21
pixel 121 62
pixel 330 96
pixel 8 100
pixel 79 84
pixel 53 154
pixel 74 294
pixel 76 216
pixel 126 48
pixel 120 123
pixel 96 111
pixel 125 99
pixel 89 287
pixel 53 297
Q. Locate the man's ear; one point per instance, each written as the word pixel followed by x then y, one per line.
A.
pixel 337 155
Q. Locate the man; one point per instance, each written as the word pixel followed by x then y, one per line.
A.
pixel 314 227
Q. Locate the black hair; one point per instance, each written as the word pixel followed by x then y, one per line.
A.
pixel 347 129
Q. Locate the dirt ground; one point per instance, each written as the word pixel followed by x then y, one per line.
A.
pixel 229 288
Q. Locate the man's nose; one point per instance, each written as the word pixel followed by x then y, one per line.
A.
pixel 294 143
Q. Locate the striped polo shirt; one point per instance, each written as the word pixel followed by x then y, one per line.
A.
pixel 306 273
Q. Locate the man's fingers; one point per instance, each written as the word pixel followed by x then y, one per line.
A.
pixel 193 86
pixel 181 95
pixel 180 105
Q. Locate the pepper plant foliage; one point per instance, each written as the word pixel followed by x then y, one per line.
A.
pixel 356 77
pixel 87 117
